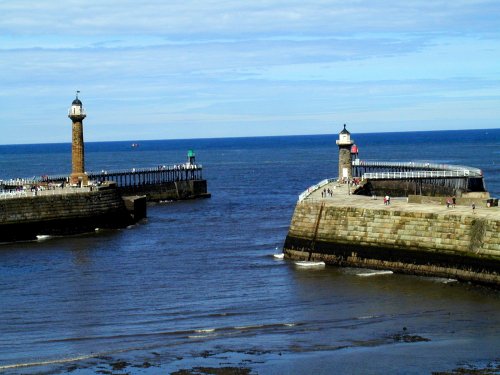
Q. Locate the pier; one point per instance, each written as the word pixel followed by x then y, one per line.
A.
pixel 127 182
pixel 122 178
pixel 346 221
pixel 361 167
pixel 138 177
pixel 442 179
pixel 341 197
pixel 56 205
pixel 428 239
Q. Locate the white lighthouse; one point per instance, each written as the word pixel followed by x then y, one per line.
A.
pixel 345 159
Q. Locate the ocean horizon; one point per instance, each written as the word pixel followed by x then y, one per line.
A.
pixel 135 140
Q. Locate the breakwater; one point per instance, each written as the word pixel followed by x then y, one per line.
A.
pixel 60 213
pixel 52 205
pixel 423 239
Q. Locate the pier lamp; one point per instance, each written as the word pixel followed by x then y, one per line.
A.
pixel 77 114
pixel 191 157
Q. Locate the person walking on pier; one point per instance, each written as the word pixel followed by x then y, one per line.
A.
pixel 454 199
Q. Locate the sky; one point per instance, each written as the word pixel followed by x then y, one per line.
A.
pixel 169 69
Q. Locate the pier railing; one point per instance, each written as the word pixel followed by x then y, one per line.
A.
pixel 7 194
pixel 416 175
pixel 313 188
pixel 362 165
pixel 448 177
pixel 123 178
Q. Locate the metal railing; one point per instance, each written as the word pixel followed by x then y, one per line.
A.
pixel 313 188
pixel 92 175
pixel 6 194
pixel 416 175
pixel 175 167
pixel 473 172
pixel 9 194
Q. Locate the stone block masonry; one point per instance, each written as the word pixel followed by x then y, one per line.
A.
pixel 404 238
pixel 26 217
pixel 79 210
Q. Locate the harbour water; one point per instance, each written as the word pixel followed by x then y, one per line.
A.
pixel 196 284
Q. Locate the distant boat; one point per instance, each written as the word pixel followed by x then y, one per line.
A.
pixel 279 256
pixel 135 145
pixel 309 264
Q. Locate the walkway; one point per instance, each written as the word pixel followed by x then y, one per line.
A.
pixel 41 193
pixel 342 198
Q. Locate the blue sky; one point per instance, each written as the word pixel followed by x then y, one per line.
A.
pixel 196 69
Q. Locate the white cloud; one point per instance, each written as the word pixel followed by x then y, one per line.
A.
pixel 188 17
pixel 232 67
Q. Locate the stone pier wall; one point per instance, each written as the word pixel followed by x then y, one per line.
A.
pixel 465 247
pixel 24 218
pixel 63 213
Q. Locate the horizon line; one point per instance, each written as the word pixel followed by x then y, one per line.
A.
pixel 255 136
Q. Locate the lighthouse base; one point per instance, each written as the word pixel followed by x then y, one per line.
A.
pixel 80 179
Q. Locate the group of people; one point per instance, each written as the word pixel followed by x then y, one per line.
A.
pixel 327 193
pixel 451 202
pixel 353 182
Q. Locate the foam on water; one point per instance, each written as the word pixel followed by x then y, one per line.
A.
pixel 374 273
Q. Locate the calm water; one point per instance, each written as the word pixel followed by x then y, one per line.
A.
pixel 196 284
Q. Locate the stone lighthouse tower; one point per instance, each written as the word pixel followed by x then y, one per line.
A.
pixel 345 163
pixel 77 114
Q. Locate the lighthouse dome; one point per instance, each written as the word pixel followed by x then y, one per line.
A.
pixel 345 131
pixel 77 102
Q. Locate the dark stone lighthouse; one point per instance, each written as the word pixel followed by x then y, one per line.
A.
pixel 345 160
pixel 77 114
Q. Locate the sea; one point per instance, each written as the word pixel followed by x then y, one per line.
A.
pixel 195 288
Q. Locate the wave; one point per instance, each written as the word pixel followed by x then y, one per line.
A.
pixel 374 273
pixel 200 333
pixel 180 334
pixel 42 237
pixel 213 332
pixel 442 280
pixel 249 327
pixel 51 362
pixel 208 330
pixel 367 317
